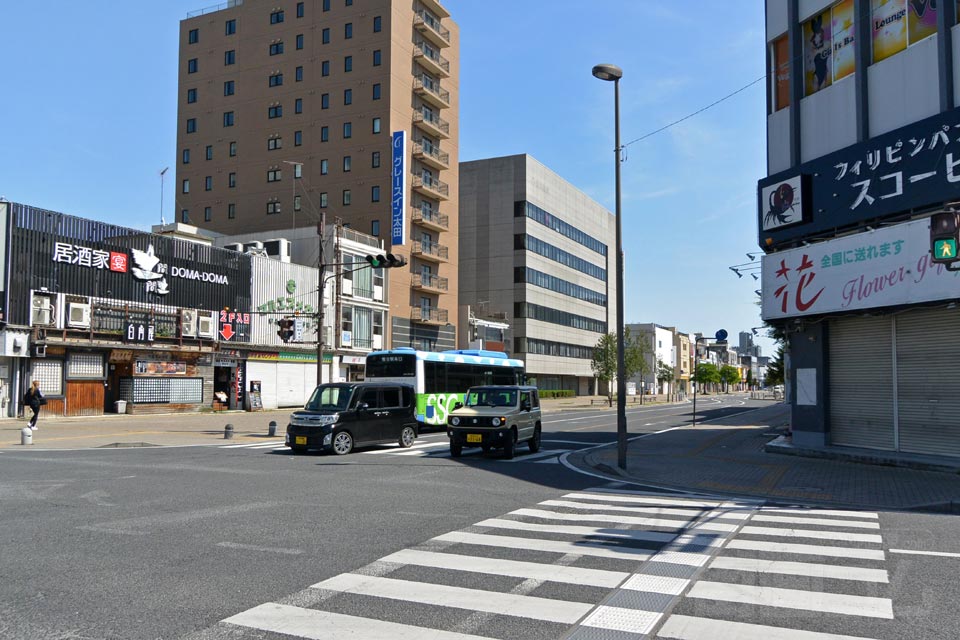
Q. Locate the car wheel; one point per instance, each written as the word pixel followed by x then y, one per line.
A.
pixel 407 437
pixel 510 449
pixel 534 442
pixel 456 450
pixel 342 443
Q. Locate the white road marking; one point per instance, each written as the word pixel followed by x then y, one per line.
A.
pixel 815 534
pixel 553 460
pixel 571 442
pixel 823 512
pixel 620 619
pixel 794 599
pixel 561 611
pixel 941 554
pixel 810 569
pixel 807 549
pixel 252 445
pixel 602 517
pixel 647 499
pixel 529 457
pixel 850 524
pixel 657 511
pixel 512 568
pixel 321 625
pixel 251 547
pixel 690 628
pixel 398 450
pixel 656 584
pixel 631 534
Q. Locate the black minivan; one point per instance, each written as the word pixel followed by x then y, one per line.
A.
pixel 340 416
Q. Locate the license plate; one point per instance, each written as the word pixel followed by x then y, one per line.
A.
pixel 300 440
pixel 474 437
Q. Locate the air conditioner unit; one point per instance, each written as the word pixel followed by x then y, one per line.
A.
pixel 207 326
pixel 234 246
pixel 42 312
pixel 278 248
pixel 78 314
pixel 255 247
pixel 188 323
pixel 39 351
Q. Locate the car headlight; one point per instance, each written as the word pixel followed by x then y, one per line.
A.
pixel 455 421
pixel 496 422
pixel 314 421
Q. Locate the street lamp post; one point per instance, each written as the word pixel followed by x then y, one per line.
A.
pixel 613 73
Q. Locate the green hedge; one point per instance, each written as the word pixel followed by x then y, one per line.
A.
pixel 556 393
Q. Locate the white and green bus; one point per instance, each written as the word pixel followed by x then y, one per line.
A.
pixel 441 379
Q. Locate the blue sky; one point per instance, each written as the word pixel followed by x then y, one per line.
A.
pixel 89 119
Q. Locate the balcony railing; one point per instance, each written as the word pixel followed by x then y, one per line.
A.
pixel 431 59
pixel 432 185
pixel 431 27
pixel 436 283
pixel 431 91
pixel 430 250
pixel 431 219
pixel 432 155
pixel 230 4
pixel 429 315
pixel 432 122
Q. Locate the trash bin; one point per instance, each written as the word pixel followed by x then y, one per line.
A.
pixel 121 406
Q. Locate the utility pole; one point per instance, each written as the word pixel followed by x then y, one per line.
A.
pixel 320 282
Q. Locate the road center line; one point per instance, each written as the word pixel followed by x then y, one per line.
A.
pixel 941 554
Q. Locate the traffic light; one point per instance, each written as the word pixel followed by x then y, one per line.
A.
pixel 386 261
pixel 945 236
pixel 286 329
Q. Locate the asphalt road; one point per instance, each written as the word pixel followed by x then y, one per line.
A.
pixel 170 542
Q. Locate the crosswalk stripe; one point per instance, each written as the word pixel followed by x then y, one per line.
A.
pixel 320 625
pixel 561 611
pixel 689 514
pixel 644 499
pixel 632 534
pixel 810 533
pixel 866 606
pixel 512 568
pixel 397 449
pixel 807 549
pixel 633 621
pixel 813 570
pixel 850 524
pixel 695 497
pixel 253 445
pixel 691 628
pixel 823 512
pixel 600 517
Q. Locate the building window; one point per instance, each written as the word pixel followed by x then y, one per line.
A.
pixel 297 138
pixel 192 65
pixel 325 36
pixel 299 9
pixel 273 207
pixel 347 163
pixel 376 57
pixel 348 31
pixel 229 57
pixel 208 183
pixel 233 149
pixel 348 64
pixel 375 159
pixel 299 41
pixel 897 24
pixel 346 197
pixel 191 125
pixel 298 170
pixel 184 218
pixel 375 193
pixel 348 96
pixel 296 203
pixel 376 91
pixel 209 152
pixel 228 118
pixel 276 17
pixel 274 143
pixel 347 130
pixel 375 224
pixel 207 214
pixel 231 27
pixel 232 179
pixel 323 199
pixel 348 3
pixel 298 105
pixel 50 375
pixel 275 80
pixel 273 175
pixel 326 5
pixel 191 96
pixel 324 167
pixel 325 101
pixel 376 125
pixel 193 36
pixel 228 88
pixel 186 156
pixel 276 48
pixel 186 186
pixel 324 134
pixel 231 211
pixel 325 68
pixel 275 111
pixel 781 76
pixel 829 46
pixel 377 24
pixel 299 74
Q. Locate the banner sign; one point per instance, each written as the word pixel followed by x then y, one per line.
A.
pixel 398 188
pixel 882 268
pixel 915 166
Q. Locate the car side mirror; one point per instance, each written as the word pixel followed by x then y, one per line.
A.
pixel 362 406
pixel 457 405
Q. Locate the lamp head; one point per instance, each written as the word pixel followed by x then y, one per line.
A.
pixel 607 72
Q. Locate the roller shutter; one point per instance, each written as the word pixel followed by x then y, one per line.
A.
pixel 292 388
pixel 861 382
pixel 928 382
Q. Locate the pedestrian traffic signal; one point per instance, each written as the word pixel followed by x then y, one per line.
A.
pixel 386 261
pixel 286 329
pixel 945 236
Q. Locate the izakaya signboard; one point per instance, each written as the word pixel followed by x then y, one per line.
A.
pixel 882 268
pixel 912 167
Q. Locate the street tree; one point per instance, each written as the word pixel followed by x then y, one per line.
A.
pixel 604 363
pixel 730 376
pixel 664 373
pixel 775 369
pixel 707 373
pixel 749 378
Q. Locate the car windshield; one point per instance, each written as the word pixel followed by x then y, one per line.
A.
pixel 491 398
pixel 329 398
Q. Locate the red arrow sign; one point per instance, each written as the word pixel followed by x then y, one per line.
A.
pixel 227 331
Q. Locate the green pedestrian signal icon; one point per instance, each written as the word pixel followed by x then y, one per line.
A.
pixel 945 249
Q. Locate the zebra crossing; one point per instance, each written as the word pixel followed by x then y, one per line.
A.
pixel 609 563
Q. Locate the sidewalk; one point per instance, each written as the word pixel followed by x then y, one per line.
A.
pixel 726 456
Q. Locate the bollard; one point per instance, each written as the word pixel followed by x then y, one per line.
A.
pixel 228 432
pixel 272 428
pixel 26 435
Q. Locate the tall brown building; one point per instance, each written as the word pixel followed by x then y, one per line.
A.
pixel 292 110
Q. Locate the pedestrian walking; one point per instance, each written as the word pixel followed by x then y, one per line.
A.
pixel 34 399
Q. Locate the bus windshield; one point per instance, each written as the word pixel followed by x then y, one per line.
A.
pixel 329 397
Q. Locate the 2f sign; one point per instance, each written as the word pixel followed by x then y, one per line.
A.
pixel 782 204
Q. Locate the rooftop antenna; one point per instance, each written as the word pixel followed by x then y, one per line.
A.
pixel 163 222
